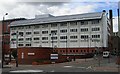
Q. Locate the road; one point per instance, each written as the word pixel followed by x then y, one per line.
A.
pixel 80 65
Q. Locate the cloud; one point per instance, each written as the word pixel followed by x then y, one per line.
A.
pixel 68 10
pixel 115 24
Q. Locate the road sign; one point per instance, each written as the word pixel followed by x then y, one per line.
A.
pixel 54 56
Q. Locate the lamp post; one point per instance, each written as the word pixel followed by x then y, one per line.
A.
pixel 3 39
pixel 17 48
pixel 52 39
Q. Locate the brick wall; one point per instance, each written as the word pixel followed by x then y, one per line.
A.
pixel 39 54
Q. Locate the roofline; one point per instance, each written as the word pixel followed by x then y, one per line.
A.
pixel 58 19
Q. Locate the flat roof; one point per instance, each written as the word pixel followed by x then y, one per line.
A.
pixel 85 16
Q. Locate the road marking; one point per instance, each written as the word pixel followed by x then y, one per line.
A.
pixel 89 67
pixel 80 67
pixel 67 66
pixel 52 71
pixel 25 71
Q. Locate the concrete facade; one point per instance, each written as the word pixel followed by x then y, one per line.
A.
pixel 83 31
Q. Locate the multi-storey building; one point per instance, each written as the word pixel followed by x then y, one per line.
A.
pixel 68 35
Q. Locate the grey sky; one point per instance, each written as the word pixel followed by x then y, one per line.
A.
pixel 30 8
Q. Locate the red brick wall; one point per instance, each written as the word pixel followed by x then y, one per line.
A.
pixel 40 53
pixel 74 50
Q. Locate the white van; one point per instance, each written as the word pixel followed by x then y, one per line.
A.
pixel 106 54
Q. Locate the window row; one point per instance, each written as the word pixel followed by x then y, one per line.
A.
pixel 55 38
pixel 82 51
pixel 55 31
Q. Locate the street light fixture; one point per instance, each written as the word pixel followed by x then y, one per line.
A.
pixel 52 39
pixel 3 38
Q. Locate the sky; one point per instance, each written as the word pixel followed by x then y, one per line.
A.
pixel 29 8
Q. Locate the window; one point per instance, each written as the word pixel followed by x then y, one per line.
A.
pixel 28 44
pixel 53 38
pixel 95 21
pixel 28 39
pixel 36 38
pixel 28 27
pixel 44 38
pixel 70 50
pixel 73 23
pixel 20 27
pixel 44 32
pixel 28 33
pixel 21 33
pixel 73 37
pixel 54 31
pixel 21 39
pixel 63 31
pixel 84 22
pixel 63 37
pixel 84 29
pixel 96 29
pixel 95 36
pixel 13 39
pixel 54 25
pixel 44 26
pixel 84 36
pixel 76 50
pixel 63 24
pixel 36 26
pixel 13 33
pixel 36 32
pixel 73 30
pixel 20 44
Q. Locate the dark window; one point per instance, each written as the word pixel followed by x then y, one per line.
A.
pixel 73 37
pixel 20 44
pixel 63 37
pixel 21 39
pixel 21 33
pixel 76 50
pixel 44 38
pixel 84 22
pixel 95 21
pixel 28 33
pixel 73 30
pixel 44 32
pixel 36 38
pixel 36 32
pixel 63 31
pixel 28 44
pixel 54 25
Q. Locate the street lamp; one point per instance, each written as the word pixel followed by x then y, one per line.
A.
pixel 52 39
pixel 3 38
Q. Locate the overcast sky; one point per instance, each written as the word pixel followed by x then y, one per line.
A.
pixel 29 8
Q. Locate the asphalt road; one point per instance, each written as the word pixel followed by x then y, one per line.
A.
pixel 80 65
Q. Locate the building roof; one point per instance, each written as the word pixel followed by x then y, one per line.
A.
pixel 85 16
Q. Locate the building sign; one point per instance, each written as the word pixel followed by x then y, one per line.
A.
pixel 54 56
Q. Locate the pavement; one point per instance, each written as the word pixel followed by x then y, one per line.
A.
pixel 80 65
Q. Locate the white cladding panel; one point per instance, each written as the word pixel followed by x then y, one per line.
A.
pixel 78 35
